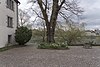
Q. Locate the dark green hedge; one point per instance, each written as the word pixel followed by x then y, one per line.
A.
pixel 23 35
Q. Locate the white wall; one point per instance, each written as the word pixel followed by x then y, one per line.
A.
pixel 4 30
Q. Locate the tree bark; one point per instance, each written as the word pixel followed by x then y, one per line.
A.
pixel 48 32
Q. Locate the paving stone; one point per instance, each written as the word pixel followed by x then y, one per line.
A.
pixel 31 57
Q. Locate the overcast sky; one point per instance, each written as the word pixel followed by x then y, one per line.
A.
pixel 91 15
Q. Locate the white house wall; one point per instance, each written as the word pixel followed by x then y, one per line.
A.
pixel 4 30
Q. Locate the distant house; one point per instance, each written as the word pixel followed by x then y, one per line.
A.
pixel 97 31
pixel 8 21
pixel 93 35
pixel 93 32
pixel 90 33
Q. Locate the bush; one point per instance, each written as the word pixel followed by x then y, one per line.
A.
pixel 72 34
pixel 53 46
pixel 23 35
pixel 44 46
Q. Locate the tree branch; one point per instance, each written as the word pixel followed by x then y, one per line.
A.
pixel 37 14
pixel 73 8
pixel 43 10
pixel 61 4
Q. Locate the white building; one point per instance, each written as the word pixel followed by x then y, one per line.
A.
pixel 8 21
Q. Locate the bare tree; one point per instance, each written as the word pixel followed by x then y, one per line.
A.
pixel 24 17
pixel 51 9
pixel 44 30
pixel 42 27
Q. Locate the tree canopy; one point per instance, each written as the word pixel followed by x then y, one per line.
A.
pixel 52 10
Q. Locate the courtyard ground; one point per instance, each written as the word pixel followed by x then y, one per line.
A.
pixel 29 56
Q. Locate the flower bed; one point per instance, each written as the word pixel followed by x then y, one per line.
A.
pixel 53 46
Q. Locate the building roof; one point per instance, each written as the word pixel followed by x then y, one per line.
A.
pixel 17 1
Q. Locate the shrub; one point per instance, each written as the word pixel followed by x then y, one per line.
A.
pixel 72 34
pixel 22 35
pixel 63 45
pixel 43 46
pixel 53 46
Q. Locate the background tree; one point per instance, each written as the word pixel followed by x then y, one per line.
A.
pixel 50 10
pixel 38 33
pixel 24 18
pixel 72 34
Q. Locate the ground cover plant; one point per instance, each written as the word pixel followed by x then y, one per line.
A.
pixel 53 46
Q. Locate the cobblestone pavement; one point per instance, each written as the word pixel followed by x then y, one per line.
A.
pixel 31 57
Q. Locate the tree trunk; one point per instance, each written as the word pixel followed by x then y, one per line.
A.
pixel 50 33
pixel 52 23
pixel 44 33
pixel 50 36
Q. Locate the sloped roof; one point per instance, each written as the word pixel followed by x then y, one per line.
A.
pixel 17 1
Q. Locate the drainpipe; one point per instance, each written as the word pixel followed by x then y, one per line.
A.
pixel 17 14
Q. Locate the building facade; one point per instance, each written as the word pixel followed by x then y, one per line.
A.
pixel 8 21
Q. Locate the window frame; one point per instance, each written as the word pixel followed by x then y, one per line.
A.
pixel 10 4
pixel 9 22
pixel 9 39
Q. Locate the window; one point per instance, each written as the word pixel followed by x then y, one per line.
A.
pixel 10 4
pixel 9 22
pixel 9 38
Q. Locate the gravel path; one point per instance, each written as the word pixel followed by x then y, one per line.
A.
pixel 31 57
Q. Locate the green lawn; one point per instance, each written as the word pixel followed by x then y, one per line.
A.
pixel 11 47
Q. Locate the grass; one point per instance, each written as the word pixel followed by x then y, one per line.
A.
pixel 11 47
